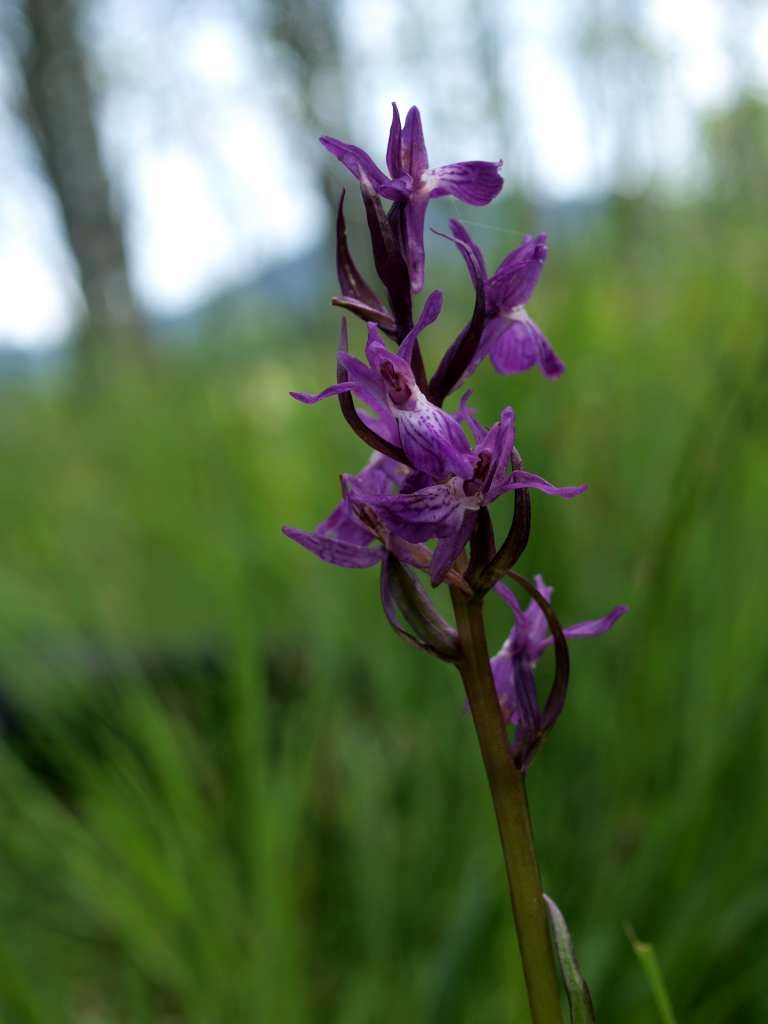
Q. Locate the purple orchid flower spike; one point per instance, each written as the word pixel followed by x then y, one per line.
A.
pixel 448 510
pixel 413 183
pixel 510 337
pixel 432 441
pixel 423 501
pixel 514 666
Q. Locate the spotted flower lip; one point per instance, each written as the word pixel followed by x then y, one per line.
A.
pixel 412 183
pixel 448 510
pixel 510 337
pixel 402 414
pixel 514 665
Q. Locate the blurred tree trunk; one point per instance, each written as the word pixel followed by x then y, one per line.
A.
pixel 491 51
pixel 495 49
pixel 307 31
pixel 622 76
pixel 60 111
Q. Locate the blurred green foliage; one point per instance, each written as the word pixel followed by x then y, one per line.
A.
pixel 305 834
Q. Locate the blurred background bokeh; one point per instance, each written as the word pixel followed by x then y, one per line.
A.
pixel 228 792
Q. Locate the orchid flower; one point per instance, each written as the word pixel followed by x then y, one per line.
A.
pixel 412 183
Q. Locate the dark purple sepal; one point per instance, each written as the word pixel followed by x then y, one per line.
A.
pixel 525 743
pixel 527 712
pixel 394 145
pixel 370 314
pixel 358 162
pixel 388 257
pixel 336 552
pixel 404 600
pixel 513 546
pixel 482 548
pixel 462 353
pixel 515 542
pixel 356 294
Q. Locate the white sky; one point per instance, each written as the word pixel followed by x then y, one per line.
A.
pixel 215 189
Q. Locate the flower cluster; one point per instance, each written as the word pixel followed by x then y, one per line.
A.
pixel 423 497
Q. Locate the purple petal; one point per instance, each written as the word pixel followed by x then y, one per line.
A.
pixel 499 442
pixel 516 344
pixel 415 213
pixel 337 552
pixel 413 152
pixel 533 634
pixel 431 512
pixel 475 181
pixel 394 161
pixel 334 389
pixel 434 441
pixel 518 274
pixel 544 589
pixel 523 698
pixel 515 686
pixel 381 423
pixel 378 476
pixel 467 415
pixel 511 599
pixel 503 681
pixel 364 378
pixel 430 313
pixel 449 548
pixel 551 365
pixel 510 345
pixel 522 479
pixel 344 525
pixel 594 627
pixel 375 349
pixel 362 166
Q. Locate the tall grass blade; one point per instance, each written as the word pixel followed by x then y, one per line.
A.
pixel 646 954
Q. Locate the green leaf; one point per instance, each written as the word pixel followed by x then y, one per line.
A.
pixel 646 954
pixel 579 999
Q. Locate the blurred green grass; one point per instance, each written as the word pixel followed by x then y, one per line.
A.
pixel 306 834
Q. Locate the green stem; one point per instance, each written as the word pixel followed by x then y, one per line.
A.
pixel 510 802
